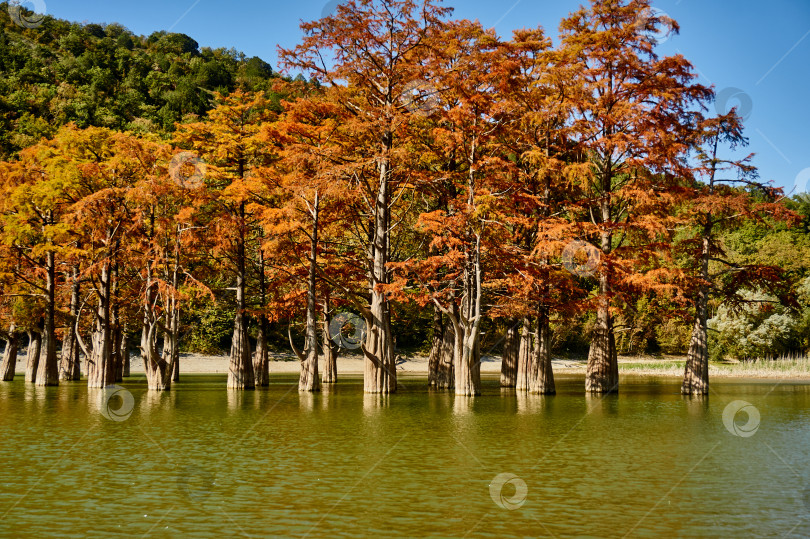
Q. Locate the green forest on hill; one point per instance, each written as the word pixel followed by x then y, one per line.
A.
pixel 105 76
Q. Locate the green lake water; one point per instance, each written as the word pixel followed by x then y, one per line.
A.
pixel 205 462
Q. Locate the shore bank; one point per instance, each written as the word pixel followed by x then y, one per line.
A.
pixel 798 369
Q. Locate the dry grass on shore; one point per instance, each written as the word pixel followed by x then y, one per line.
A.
pixel 786 367
pixel 793 366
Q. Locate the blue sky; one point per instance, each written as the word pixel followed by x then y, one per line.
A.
pixel 755 52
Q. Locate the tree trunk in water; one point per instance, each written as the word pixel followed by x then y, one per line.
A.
pixel 468 364
pixel 48 370
pixel 380 372
pixel 696 375
pixel 509 357
pixel 435 348
pixel 10 356
pixel 171 345
pixel 330 347
pixel 125 370
pixel 524 357
pixel 380 375
pixel 100 366
pixel 118 358
pixel 261 361
pixel 115 328
pixel 468 321
pixel 603 366
pixel 159 368
pixel 446 374
pixel 32 356
pixel 441 365
pixel 541 380
pixel 69 363
pixel 467 354
pixel 174 359
pixel 174 334
pixel 158 371
pixel 175 320
pixel 308 381
pixel 240 371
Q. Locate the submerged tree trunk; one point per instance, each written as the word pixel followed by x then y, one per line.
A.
pixel 115 327
pixel 466 324
pixel 524 357
pixel 240 371
pixel 118 358
pixel 330 347
pixel 446 373
pixel 69 362
pixel 157 368
pixel 435 347
pixel 48 369
pixel 99 357
pixel 168 346
pixel 696 375
pixel 261 358
pixel 171 339
pixel 9 364
pixel 541 379
pixel 308 380
pixel 125 359
pixel 468 371
pixel 603 367
pixel 509 357
pixel 379 374
pixel 32 356
pixel 441 371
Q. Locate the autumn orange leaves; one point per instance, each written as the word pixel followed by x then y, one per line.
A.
pixel 428 160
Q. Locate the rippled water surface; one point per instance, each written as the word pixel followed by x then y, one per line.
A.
pixel 202 461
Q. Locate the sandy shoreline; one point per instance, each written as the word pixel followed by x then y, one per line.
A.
pixel 287 363
pixel 347 364
pixel 417 365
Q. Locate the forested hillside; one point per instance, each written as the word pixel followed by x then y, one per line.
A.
pixel 104 75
